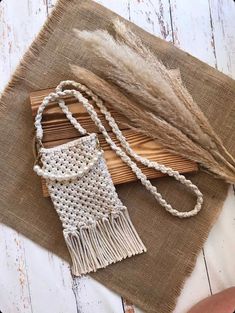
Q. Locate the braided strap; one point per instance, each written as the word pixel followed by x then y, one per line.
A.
pixel 46 101
pixel 127 153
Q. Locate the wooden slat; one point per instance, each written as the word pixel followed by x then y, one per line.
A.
pixel 58 130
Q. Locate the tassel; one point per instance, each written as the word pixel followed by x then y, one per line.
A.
pixel 107 241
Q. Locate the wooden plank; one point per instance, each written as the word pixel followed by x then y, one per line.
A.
pixel 93 297
pixel 220 247
pixel 220 242
pixel 121 7
pixel 32 279
pixel 192 32
pixel 20 22
pixel 192 29
pixel 50 5
pixel 195 288
pixel 223 24
pixel 14 285
pixel 58 130
pixel 153 16
pixel 49 280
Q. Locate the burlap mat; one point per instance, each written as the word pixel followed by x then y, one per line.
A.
pixel 152 280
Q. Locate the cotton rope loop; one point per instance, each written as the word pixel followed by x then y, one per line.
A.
pixel 140 175
pixel 96 225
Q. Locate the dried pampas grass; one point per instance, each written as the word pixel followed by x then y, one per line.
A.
pixel 154 99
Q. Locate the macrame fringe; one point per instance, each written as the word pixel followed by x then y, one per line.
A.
pixel 109 241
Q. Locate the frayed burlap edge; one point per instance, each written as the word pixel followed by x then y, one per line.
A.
pixel 34 50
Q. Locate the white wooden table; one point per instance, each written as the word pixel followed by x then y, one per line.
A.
pixel 33 280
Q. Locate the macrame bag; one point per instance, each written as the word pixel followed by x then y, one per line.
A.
pixel 96 226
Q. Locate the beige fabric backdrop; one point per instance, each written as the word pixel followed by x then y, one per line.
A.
pixel 152 280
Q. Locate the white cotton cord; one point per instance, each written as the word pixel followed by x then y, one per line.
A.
pixel 125 154
pixel 46 101
pixel 68 177
pixel 126 159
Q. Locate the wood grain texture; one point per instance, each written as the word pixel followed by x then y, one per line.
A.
pixel 220 243
pixel 50 286
pixel 192 30
pixel 196 287
pixel 92 297
pixel 20 23
pixel 222 15
pixel 220 246
pixel 153 16
pixel 209 37
pixel 212 39
pixel 58 130
pixel 15 289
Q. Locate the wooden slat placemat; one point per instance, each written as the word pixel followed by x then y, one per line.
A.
pixel 58 130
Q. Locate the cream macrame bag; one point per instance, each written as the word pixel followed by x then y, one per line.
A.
pixel 96 225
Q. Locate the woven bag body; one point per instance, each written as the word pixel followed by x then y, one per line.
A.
pixel 96 225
